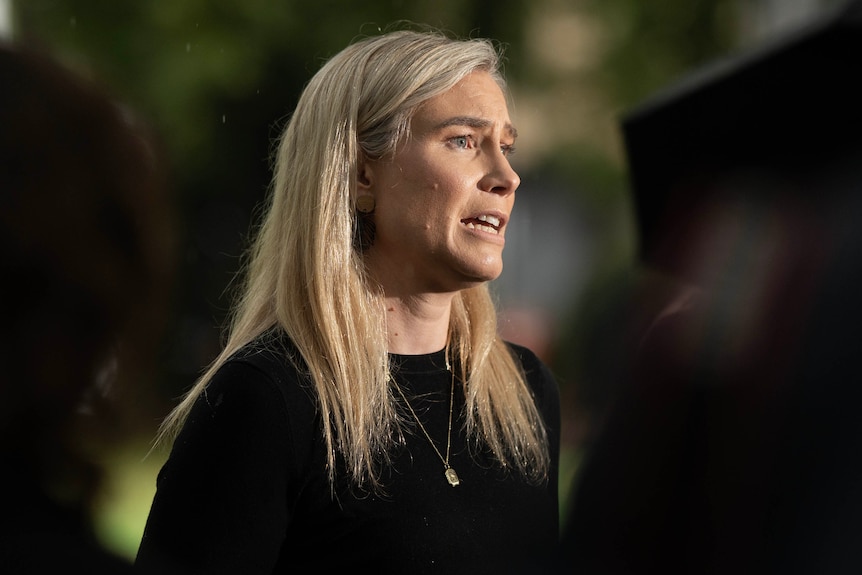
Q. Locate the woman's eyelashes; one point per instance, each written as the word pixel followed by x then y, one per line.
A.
pixel 463 142
pixel 468 142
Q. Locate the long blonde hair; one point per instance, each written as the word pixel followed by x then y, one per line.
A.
pixel 306 274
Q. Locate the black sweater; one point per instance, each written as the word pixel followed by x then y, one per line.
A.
pixel 245 489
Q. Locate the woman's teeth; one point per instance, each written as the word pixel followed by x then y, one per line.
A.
pixel 485 223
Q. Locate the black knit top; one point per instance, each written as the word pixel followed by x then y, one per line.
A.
pixel 245 489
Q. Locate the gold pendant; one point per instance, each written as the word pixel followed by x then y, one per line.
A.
pixel 452 477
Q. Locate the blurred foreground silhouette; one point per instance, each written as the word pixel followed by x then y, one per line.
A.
pixel 731 444
pixel 85 244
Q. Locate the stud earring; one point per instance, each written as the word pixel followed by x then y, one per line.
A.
pixel 365 204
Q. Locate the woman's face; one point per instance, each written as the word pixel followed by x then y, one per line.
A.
pixel 444 199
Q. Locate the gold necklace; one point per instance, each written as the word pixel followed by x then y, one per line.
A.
pixel 448 472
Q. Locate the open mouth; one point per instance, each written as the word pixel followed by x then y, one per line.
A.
pixel 484 222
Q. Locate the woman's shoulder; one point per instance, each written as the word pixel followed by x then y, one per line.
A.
pixel 530 362
pixel 270 365
pixel 539 376
pixel 272 353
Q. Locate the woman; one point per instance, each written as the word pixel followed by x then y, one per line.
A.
pixel 363 412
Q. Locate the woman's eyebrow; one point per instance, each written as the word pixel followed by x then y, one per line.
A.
pixel 474 122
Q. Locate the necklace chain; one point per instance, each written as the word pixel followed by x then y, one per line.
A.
pixel 448 472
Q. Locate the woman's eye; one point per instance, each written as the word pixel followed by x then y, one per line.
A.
pixel 462 142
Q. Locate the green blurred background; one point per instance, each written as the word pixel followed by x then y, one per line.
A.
pixel 216 79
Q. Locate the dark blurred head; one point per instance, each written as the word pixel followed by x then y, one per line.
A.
pixel 84 246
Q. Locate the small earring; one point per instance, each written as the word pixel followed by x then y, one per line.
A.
pixel 365 204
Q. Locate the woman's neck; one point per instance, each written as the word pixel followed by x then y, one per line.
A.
pixel 419 324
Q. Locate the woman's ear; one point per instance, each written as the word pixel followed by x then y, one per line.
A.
pixel 364 177
pixel 364 195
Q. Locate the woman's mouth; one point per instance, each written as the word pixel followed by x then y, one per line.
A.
pixel 483 222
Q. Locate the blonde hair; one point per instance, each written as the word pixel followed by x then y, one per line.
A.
pixel 306 274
